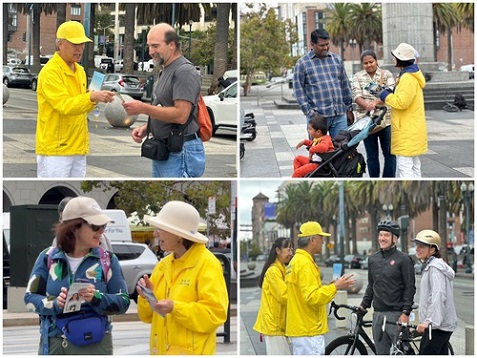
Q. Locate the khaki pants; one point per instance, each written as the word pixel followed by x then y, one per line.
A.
pixel 105 347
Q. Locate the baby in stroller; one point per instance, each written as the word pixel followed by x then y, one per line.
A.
pixel 320 143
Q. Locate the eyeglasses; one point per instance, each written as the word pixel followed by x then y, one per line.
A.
pixel 96 228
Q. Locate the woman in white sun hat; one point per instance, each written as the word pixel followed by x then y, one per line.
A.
pixel 408 117
pixel 189 286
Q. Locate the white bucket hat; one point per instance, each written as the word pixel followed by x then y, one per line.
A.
pixel 404 52
pixel 180 219
pixel 87 209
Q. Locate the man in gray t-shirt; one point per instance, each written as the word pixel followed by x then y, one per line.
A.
pixel 174 106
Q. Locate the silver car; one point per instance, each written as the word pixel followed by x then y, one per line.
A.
pixel 17 75
pixel 136 260
pixel 124 84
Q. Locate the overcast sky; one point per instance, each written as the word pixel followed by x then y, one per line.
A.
pixel 248 189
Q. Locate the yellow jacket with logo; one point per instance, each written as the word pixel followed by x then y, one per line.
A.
pixel 307 297
pixel 273 303
pixel 63 103
pixel 196 284
pixel 408 118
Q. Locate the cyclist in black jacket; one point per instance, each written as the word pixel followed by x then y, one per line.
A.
pixel 391 285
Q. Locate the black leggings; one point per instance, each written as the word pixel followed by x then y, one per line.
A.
pixel 438 344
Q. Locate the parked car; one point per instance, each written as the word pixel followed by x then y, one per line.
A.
pixel 222 108
pixel 136 260
pixel 332 260
pixel 17 75
pixel 107 64
pixel 13 61
pixel 353 261
pixel 124 84
pixel 470 69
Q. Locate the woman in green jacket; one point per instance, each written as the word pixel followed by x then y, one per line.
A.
pixel 272 313
pixel 408 118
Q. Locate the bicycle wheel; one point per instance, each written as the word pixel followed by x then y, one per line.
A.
pixel 342 346
pixel 451 350
pixel 450 108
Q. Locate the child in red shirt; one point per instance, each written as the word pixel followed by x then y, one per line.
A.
pixel 321 143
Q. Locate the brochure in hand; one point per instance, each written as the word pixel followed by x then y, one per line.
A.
pixel 151 298
pixel 96 81
pixel 73 299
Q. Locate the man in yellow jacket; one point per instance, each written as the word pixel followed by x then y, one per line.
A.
pixel 306 321
pixel 408 118
pixel 62 139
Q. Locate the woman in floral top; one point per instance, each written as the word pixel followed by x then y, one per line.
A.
pixel 366 102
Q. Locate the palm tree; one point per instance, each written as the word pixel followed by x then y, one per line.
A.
pixel 128 45
pixel 365 24
pixel 466 14
pixel 445 19
pixel 337 24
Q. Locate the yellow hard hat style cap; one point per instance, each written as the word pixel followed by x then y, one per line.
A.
pixel 72 31
pixel 311 228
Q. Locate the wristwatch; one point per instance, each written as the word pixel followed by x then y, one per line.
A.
pixel 406 312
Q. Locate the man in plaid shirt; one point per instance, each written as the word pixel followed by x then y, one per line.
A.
pixel 321 85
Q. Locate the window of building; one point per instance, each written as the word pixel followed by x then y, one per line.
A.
pixel 305 35
pixel 75 10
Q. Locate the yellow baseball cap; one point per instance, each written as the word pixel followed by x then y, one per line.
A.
pixel 72 31
pixel 311 228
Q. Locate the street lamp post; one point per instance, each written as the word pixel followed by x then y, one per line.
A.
pixel 190 36
pixel 467 193
pixel 352 44
pixel 388 209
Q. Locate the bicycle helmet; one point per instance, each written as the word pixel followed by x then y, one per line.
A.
pixel 390 226
pixel 428 237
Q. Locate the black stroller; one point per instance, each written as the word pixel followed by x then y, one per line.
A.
pixel 345 161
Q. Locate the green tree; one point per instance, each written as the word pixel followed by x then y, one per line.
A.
pixel 466 14
pixel 263 44
pixel 148 197
pixel 365 24
pixel 337 24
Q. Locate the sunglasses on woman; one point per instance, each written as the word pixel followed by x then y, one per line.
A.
pixel 96 228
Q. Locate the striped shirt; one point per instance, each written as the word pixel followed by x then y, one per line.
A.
pixel 321 85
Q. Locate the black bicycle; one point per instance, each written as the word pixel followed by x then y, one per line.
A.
pixel 357 341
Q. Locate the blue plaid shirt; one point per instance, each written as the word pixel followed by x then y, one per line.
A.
pixel 321 85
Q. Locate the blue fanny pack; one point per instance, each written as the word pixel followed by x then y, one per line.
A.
pixel 82 329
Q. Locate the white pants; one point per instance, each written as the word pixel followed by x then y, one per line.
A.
pixel 71 166
pixel 308 345
pixel 277 345
pixel 408 167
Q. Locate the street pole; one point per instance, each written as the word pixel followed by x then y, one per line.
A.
pixel 341 218
pixel 467 192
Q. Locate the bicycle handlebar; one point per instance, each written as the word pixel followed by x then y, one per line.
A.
pixel 355 309
pixel 405 325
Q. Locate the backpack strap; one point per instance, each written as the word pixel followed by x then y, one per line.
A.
pixel 104 259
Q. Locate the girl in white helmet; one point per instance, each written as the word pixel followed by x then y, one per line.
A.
pixel 436 302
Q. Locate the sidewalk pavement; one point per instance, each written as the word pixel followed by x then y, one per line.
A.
pixel 113 153
pixel 450 139
pixel 16 319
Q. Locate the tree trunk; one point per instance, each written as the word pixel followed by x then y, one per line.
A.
pixel 60 14
pixel 128 45
pixel 5 31
pixel 35 38
pixel 235 44
pixel 449 49
pixel 221 45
